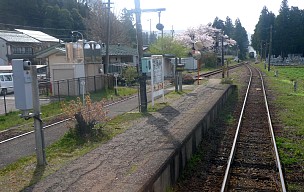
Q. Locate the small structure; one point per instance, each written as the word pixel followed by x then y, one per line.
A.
pixel 16 45
pixel 23 44
pixel 71 63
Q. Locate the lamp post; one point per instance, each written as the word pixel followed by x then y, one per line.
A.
pixel 77 33
pixel 149 38
pixel 92 45
pixel 77 41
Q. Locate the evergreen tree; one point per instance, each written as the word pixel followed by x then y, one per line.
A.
pixel 262 30
pixel 241 37
pixel 282 36
pixel 229 28
pixel 57 14
pixel 296 32
pixel 218 23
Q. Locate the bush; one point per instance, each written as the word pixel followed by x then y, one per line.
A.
pixel 86 120
pixel 188 79
pixel 210 60
pixel 130 75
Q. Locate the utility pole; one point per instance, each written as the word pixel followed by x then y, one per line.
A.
pixel 270 47
pixel 172 32
pixel 142 76
pixel 222 43
pixel 265 54
pixel 107 63
pixel 162 28
pixel 149 38
pixel 261 53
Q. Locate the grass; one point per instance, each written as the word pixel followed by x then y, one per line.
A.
pixel 25 172
pixel 54 108
pixel 289 103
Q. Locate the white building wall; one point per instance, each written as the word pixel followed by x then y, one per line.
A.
pixel 3 52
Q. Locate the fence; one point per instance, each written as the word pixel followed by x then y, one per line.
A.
pixel 76 86
pixel 290 60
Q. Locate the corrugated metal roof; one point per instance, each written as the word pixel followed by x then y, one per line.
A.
pixel 120 50
pixel 13 36
pixel 38 35
pixel 113 51
pixel 50 51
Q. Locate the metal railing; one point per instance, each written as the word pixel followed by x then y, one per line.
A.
pixel 75 86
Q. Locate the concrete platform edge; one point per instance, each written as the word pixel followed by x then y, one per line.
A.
pixel 171 169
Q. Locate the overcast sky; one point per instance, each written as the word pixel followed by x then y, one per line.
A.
pixel 182 14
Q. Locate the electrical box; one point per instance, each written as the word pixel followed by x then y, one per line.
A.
pixel 22 84
pixel 146 64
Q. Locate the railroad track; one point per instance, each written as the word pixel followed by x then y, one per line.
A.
pixel 14 133
pixel 253 163
pixel 217 71
pixel 11 134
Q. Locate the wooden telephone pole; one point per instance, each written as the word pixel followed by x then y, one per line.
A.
pixel 270 47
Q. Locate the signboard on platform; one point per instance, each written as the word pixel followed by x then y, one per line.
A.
pixel 157 76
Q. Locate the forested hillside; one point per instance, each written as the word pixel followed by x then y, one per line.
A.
pixel 55 17
pixel 59 17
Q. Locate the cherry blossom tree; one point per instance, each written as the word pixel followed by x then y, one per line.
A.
pixel 202 38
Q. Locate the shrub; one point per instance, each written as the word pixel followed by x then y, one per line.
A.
pixel 86 120
pixel 130 75
pixel 209 60
pixel 188 79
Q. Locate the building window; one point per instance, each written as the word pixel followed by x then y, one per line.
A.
pixel 22 50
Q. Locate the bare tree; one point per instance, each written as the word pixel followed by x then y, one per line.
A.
pixel 96 25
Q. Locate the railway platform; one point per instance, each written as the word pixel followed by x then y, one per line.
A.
pixel 151 153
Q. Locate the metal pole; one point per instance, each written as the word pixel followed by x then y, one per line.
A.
pixel 4 99
pixel 83 91
pixel 270 47
pixel 265 53
pixel 116 88
pixel 227 68
pixel 176 76
pixel 39 136
pixel 58 90
pixel 222 43
pixel 149 38
pixel 261 54
pixel 107 63
pixel 198 71
pixel 180 83
pixel 68 88
pixel 142 76
pixel 95 84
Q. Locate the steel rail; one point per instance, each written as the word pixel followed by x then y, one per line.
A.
pixel 59 122
pixel 64 120
pixel 207 74
pixel 232 153
pixel 277 157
